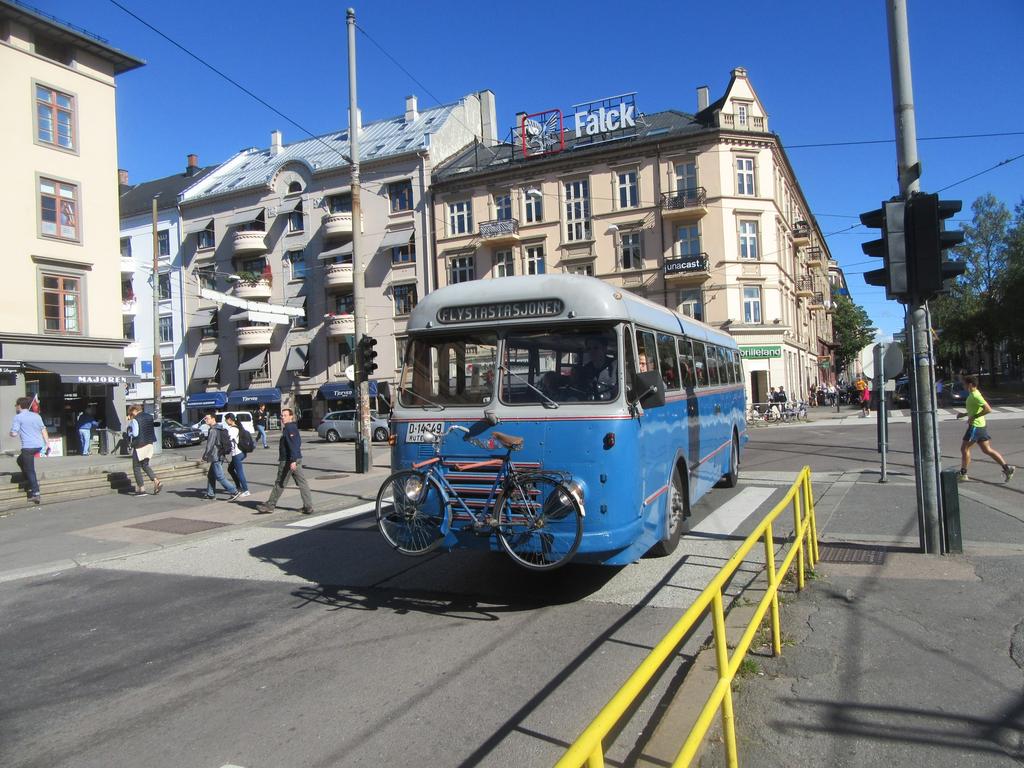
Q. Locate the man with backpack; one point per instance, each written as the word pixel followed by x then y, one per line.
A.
pixel 218 450
pixel 242 445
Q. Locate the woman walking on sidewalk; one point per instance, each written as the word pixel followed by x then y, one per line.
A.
pixel 977 409
pixel 141 428
pixel 235 468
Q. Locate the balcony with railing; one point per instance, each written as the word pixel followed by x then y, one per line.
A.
pixel 255 335
pixel 684 203
pixel 687 269
pixel 805 286
pixel 816 302
pixel 338 224
pixel 341 325
pixel 815 258
pixel 127 265
pixel 338 277
pixel 801 233
pixel 500 231
pixel 248 241
pixel 254 290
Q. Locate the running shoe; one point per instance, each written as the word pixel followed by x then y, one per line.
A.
pixel 1008 471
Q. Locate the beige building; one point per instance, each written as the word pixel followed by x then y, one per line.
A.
pixel 267 239
pixel 60 320
pixel 701 213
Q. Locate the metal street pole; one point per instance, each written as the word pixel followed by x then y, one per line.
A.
pixel 157 372
pixel 362 442
pixel 923 425
pixel 883 431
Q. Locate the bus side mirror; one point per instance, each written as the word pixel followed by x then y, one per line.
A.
pixel 650 389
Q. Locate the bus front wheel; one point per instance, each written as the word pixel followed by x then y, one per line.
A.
pixel 732 477
pixel 678 513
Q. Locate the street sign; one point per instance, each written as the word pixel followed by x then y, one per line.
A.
pixel 350 373
pixel 892 361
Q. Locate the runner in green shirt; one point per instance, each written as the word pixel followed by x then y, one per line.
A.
pixel 977 408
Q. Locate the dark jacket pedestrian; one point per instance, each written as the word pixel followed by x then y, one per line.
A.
pixel 289 464
pixel 215 453
pixel 141 427
pixel 259 420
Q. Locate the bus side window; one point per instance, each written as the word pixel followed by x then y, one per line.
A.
pixel 737 361
pixel 646 352
pixel 712 355
pixel 686 363
pixel 668 360
pixel 725 366
pixel 699 369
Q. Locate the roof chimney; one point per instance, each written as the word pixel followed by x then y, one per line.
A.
pixel 702 98
pixel 488 118
pixel 122 177
pixel 275 143
pixel 411 111
pixel 192 167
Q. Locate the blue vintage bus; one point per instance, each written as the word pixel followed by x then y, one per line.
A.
pixel 642 407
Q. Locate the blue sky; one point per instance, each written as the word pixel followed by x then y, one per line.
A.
pixel 820 68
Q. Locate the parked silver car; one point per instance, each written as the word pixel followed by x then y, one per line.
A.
pixel 341 425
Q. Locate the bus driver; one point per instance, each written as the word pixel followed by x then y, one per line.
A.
pixel 597 376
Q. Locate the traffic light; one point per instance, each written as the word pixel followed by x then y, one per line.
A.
pixel 891 247
pixel 927 240
pixel 367 355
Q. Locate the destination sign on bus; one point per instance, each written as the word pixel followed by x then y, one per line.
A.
pixel 502 310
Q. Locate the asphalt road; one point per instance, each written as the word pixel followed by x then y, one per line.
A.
pixel 285 643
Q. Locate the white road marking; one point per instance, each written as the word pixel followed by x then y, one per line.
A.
pixel 333 517
pixel 728 517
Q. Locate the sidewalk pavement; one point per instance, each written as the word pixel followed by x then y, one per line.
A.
pixel 891 657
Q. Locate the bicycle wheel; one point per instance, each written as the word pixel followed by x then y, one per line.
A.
pixel 540 522
pixel 410 521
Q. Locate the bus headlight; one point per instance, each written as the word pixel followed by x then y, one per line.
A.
pixel 576 489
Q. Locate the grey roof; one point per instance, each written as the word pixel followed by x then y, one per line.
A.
pixel 394 136
pixel 478 159
pixel 69 34
pixel 138 198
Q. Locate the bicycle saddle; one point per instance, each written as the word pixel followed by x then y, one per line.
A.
pixel 509 441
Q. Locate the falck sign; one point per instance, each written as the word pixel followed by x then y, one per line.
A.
pixel 543 133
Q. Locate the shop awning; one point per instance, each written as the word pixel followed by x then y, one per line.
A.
pixel 11 366
pixel 84 373
pixel 207 400
pixel 254 396
pixel 341 390
pixel 250 316
pixel 297 358
pixel 246 216
pixel 341 251
pixel 206 367
pixel 254 363
pixel 197 226
pixel 395 238
pixel 203 318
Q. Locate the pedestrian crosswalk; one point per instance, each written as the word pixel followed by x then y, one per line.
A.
pixel 951 413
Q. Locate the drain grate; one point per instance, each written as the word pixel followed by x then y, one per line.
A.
pixel 180 525
pixel 852 553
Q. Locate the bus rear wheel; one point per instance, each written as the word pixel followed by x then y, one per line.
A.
pixel 678 513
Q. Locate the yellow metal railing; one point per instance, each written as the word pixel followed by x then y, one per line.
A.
pixel 588 749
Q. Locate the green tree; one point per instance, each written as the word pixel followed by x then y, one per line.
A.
pixel 852 330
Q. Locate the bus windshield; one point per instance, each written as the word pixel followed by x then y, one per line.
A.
pixel 442 371
pixel 568 366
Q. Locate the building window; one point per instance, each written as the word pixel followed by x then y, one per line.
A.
pixel 167 373
pixel 163 242
pixel 632 252
pixel 164 288
pixel 688 240
pixel 628 195
pixel 748 240
pixel 340 203
pixel 745 176
pixel 686 177
pixel 741 115
pixel 460 218
pixel 405 298
pixel 691 303
pixel 55 117
pixel 534 208
pixel 127 294
pixel 256 266
pixel 166 329
pixel 462 269
pixel 582 269
pixel 58 204
pixel 344 355
pixel 296 220
pixel 207 278
pixel 504 264
pixel 126 247
pixel 535 260
pixel 204 238
pixel 344 304
pixel 503 207
pixel 577 210
pixel 751 304
pixel 404 254
pixel 401 344
pixel 62 304
pixel 296 261
pixel 128 328
pixel 294 188
pixel 400 193
pixel 212 330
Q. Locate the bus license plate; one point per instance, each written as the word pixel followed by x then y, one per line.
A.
pixel 424 431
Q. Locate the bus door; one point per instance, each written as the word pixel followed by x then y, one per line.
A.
pixel 688 376
pixel 654 452
pixel 706 374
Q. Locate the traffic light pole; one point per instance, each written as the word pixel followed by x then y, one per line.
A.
pixel 362 442
pixel 922 375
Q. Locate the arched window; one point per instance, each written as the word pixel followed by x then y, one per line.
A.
pixel 294 187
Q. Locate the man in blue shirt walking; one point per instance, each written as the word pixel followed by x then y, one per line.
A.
pixel 289 464
pixel 30 428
